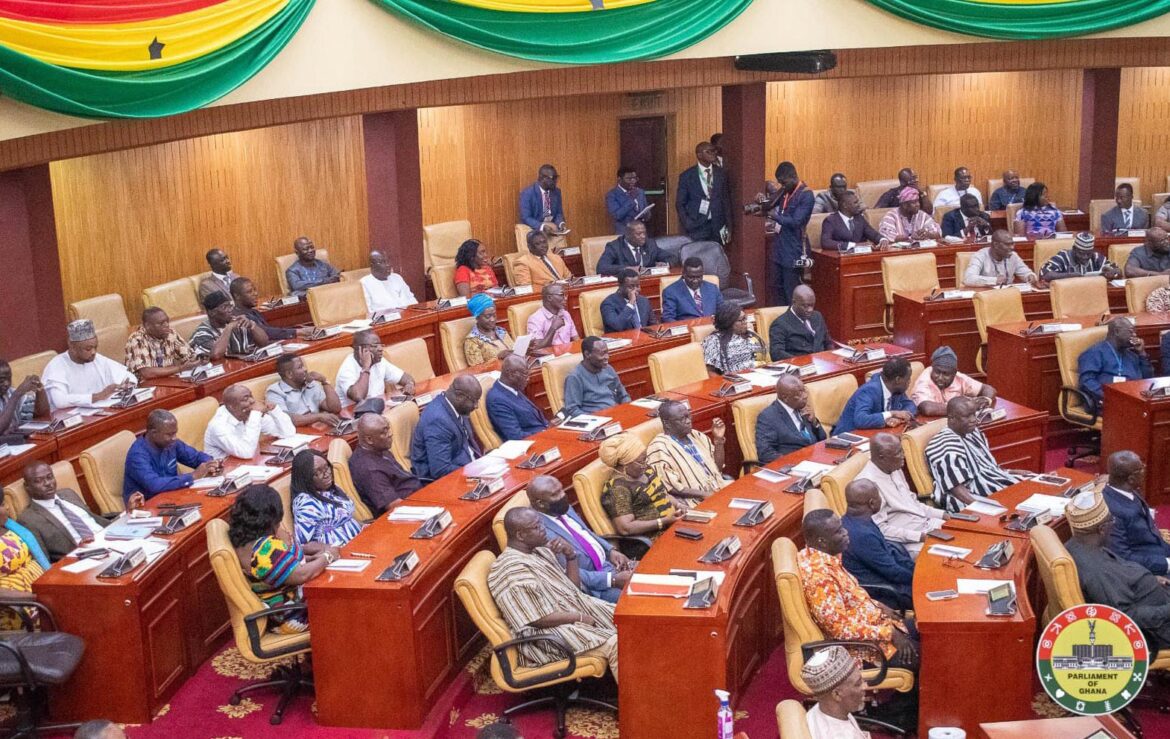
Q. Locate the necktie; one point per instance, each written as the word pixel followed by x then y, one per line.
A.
pixel 809 327
pixel 890 403
pixel 582 543
pixel 637 256
pixel 699 301
pixel 551 268
pixel 469 437
pixel 637 316
pixel 79 525
pixel 707 179
pixel 547 203
pixel 1128 218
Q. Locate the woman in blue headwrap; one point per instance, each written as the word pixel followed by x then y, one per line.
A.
pixel 486 341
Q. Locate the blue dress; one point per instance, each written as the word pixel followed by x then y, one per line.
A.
pixel 316 520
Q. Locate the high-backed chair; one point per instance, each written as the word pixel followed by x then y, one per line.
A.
pixel 521 233
pixel 29 364
pixel 744 413
pixel 451 336
pixel 1156 202
pixel 1119 254
pixel 1079 296
pixel 16 497
pixel 874 216
pixel 104 310
pixel 908 274
pixel 1010 214
pixel 791 720
pixel 916 369
pixel 554 372
pixel 112 342
pixel 284 261
pixel 327 362
pixel 677 366
pixel 480 423
pixel 814 500
pixel 992 307
pixel 1137 289
pixel 176 297
pixel 259 385
pixel 518 316
pixel 104 466
pixel 283 487
pixel 1134 182
pixel 962 262
pixel 870 190
pixel 249 619
pixel 1098 208
pixel 339 302
pixel 914 444
pixel 338 456
pixel 354 275
pixel 443 280
pixel 186 326
pixel 995 183
pixel 588 483
pixel 441 241
pixel 193 418
pixel 1076 407
pixel 1046 249
pixel 591 321
pixel 519 499
pixel 591 250
pixel 669 280
pixel 196 279
pixel 647 430
pixel 932 191
pixel 834 482
pixel 701 331
pixel 764 318
pixel 941 211
pixel 412 357
pixel 509 260
pixel 827 398
pixel 403 418
pixel 814 227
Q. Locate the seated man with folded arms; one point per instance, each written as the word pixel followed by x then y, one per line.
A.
pixel 221 277
pixel 551 324
pixel 154 350
pixel 847 226
pixel 834 677
pixel 880 402
pixel 236 427
pixel 308 271
pixel 960 459
pixel 224 333
pixel 689 464
pixel 443 439
pixel 246 298
pixel 20 404
pixel 799 330
pixel 870 557
pixel 632 250
pixel 1083 259
pixel 384 288
pixel 627 308
pixel 967 220
pixel 1008 194
pixel 593 385
pixel 81 376
pixel 539 266
pixel 788 423
pixel 942 381
pixel 998 264
pixel 1135 535
pixel 152 462
pixel 307 397
pixel 58 519
pixel 909 221
pixel 690 296
pixel 1153 256
pixel 1119 357
pixel 902 518
pixel 368 374
pixel 513 415
pixel 634 498
pixel 603 569
pixel 536 596
pixel 377 476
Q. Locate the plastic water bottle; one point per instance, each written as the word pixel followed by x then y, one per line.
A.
pixel 725 720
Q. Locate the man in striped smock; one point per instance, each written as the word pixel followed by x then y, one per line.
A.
pixel 960 459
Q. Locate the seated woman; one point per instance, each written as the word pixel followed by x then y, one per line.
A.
pixel 275 565
pixel 322 512
pixel 732 347
pixel 18 569
pixel 473 269
pixel 1037 217
pixel 486 341
pixel 634 497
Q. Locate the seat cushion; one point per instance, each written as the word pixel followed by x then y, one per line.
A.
pixel 52 656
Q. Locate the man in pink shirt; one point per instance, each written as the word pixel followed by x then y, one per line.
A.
pixel 551 323
pixel 943 381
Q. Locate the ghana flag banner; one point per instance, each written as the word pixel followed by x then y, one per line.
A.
pixel 573 31
pixel 138 58
pixel 1026 19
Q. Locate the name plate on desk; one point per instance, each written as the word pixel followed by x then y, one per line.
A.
pixel 453 302
pixel 540 460
pixel 433 526
pixel 484 489
pixel 732 388
pixel 422 400
pixel 757 514
pixel 324 332
pixel 66 422
pixel 203 372
pixel 571 251
pixel 602 432
pixel 727 548
pixel 987 415
pixel 666 333
pixel 658 271
pixel 859 249
pixel 522 290
pixel 384 316
pixel 401 567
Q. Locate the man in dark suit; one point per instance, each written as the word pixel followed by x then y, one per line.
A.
pixel 704 198
pixel 1135 535
pixel 627 308
pixel 967 220
pixel 692 296
pixel 604 571
pixel 790 218
pixel 626 200
pixel 800 330
pixel 881 402
pixel 1125 215
pixel 870 557
pixel 787 424
pixel 443 440
pixel 847 226
pixel 58 519
pixel 512 414
pixel 540 202
pixel 632 249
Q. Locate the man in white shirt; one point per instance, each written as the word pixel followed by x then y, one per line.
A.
pixel 366 373
pixel 235 429
pixel 81 376
pixel 57 518
pixel 833 676
pixel 902 518
pixel 950 196
pixel 998 264
pixel 383 287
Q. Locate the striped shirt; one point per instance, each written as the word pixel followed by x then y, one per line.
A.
pixel 685 464
pixel 963 460
pixel 28 403
pixel 206 335
pixel 1065 263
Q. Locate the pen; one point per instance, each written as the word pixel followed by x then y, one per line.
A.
pixel 362 555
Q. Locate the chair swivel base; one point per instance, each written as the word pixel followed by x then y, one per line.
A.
pixel 290 679
pixel 29 708
pixel 560 700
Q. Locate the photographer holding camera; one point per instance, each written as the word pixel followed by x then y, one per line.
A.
pixel 788 210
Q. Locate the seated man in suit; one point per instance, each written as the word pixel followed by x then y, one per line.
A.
pixel 942 381
pixel 308 271
pixel 960 460
pixel 967 220
pixel 593 385
pixel 57 518
pixel 377 476
pixel 626 308
pixel 443 439
pixel 604 570
pixel 238 424
pixel 152 462
pixel 1125 215
pixel 1120 357
pixel 800 330
pixel 626 200
pixel 703 200
pixel 847 227
pixel 1083 259
pixel 80 376
pixel 834 677
pixel 829 201
pixel 902 517
pixel 539 267
pixel 220 279
pixel 788 423
pixel 541 206
pixel 870 557
pixel 513 415
pixel 1135 534
pixel 632 249
pixel 691 296
pixel 880 402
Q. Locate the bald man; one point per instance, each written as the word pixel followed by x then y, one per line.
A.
pixel 1135 534
pixel 512 413
pixel 1119 357
pixel 884 568
pixel 235 429
pixel 443 439
pixel 788 423
pixel 385 289
pixel 152 462
pixel 799 330
pixel 902 518
pixel 308 271
pixel 379 478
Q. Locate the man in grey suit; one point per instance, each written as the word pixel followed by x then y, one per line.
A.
pixel 799 330
pixel 57 518
pixel 604 570
pixel 1125 215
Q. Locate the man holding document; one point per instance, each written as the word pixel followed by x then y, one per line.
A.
pixel 626 201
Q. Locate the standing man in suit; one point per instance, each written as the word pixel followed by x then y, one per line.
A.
pixel 880 402
pixel 540 266
pixel 691 296
pixel 788 423
pixel 443 440
pixel 625 200
pixel 57 518
pixel 627 308
pixel 1135 535
pixel 1125 215
pixel 704 198
pixel 512 414
pixel 800 330
pixel 604 570
pixel 967 220
pixel 220 279
pixel 632 249
pixel 847 227
pixel 541 208
pixel 790 216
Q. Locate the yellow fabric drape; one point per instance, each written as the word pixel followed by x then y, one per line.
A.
pixel 550 6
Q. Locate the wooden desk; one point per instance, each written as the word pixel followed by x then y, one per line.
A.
pixel 1072 727
pixel 1012 496
pixel 288 316
pixel 11 468
pixel 1143 426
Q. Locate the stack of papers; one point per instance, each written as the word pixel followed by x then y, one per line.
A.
pixel 486 466
pixel 759 378
pixel 1053 505
pixel 256 473
pixel 12 450
pixel 354 326
pixel 646 403
pixel 810 469
pixel 348 565
pixel 511 449
pixel 977 587
pixel 985 507
pixel 670 586
pixel 295 441
pixel 944 550
pixel 413 513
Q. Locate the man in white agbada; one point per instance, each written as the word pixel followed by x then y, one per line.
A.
pixel 81 376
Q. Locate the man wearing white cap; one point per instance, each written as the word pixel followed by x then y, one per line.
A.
pixel 834 677
pixel 81 376
pixel 1083 259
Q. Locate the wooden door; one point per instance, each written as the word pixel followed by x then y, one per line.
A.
pixel 643 147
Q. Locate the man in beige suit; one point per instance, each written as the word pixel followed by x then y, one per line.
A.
pixel 540 266
pixel 58 519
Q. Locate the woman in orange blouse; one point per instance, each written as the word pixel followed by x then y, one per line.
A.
pixel 473 269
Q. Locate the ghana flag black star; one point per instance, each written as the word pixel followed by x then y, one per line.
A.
pixel 156 48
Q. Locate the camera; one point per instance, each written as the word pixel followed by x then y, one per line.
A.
pixel 803 262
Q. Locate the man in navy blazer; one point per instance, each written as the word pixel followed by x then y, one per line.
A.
pixel 443 440
pixel 1125 215
pixel 880 402
pixel 1135 535
pixel 627 308
pixel 799 330
pixel 791 216
pixel 540 202
pixel 631 249
pixel 679 301
pixel 847 226
pixel 512 414
pixel 968 217
pixel 625 200
pixel 870 557
pixel 604 570
pixel 787 424
pixel 703 200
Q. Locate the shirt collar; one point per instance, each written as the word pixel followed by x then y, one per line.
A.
pixel 1123 493
pixel 886 394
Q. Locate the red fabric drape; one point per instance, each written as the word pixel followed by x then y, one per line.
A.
pixel 97 11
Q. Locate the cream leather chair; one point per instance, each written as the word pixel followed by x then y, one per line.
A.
pixel 185 327
pixel 677 366
pixel 870 190
pixel 104 310
pixel 744 413
pixel 701 331
pixel 996 183
pixel 104 467
pixel 814 227
pixel 647 430
pixel 339 302
pixel 30 364
pixel 916 369
pixel 932 192
pixel 284 261
pixel 907 274
pixel 588 482
pixel 521 232
pixel 962 262
pixel 554 372
pixel 591 250
pixel 412 357
pixel 338 456
pixel 518 316
pixel 828 397
pixel 443 280
pixel 835 481
pixel 327 362
pixel 764 318
pixel 1046 249
pixel 941 211
pixel 1079 296
pixel 1098 208
pixel 259 385
pixel 1137 289
pixel 792 721
pixel 193 418
pixel 16 497
pixel 591 321
pixel 354 275
pixel 451 336
pixel 1119 254
pixel 1134 182
pixel 914 444
pixel 1075 407
pixel 993 307
pixel 1010 215
pixel 403 418
pixel 112 342
pixel 814 500
pixel 283 487
pixel 874 216
pixel 441 242
pixel 509 260
pixel 1156 202
pixel 176 297
pixel 519 499
pixel 480 423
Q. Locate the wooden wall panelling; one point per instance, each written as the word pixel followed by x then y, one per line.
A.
pixel 1143 127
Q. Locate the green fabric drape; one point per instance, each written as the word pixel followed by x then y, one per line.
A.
pixel 153 93
pixel 1026 21
pixel 622 34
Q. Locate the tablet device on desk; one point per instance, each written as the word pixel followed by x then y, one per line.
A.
pixel 940 534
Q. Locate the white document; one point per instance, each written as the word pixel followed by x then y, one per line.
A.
pixel 944 550
pixel 745 504
pixel 807 468
pixel 844 352
pixel 12 450
pixel 521 345
pixel 584 422
pixel 486 466
pixel 296 440
pixel 207 483
pixel 413 513
pixel 294 346
pixel 354 326
pixel 257 472
pixel 769 475
pixel 84 565
pixel 348 565
pixel 701 575
pixel 511 449
pixel 759 379
pixel 616 343
pixel 1117 283
pixel 985 507
pixel 646 403
pixel 644 212
pixel 977 587
pixel 1053 505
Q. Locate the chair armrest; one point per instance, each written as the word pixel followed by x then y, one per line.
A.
pixel 807 649
pixel 873 587
pixel 252 622
pixel 1066 390
pixel 19 608
pixel 748 465
pixel 554 641
pixel 25 670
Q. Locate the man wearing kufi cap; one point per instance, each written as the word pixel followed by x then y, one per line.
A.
pixel 943 381
pixel 1083 259
pixel 908 222
pixel 834 677
pixel 81 376
pixel 225 333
